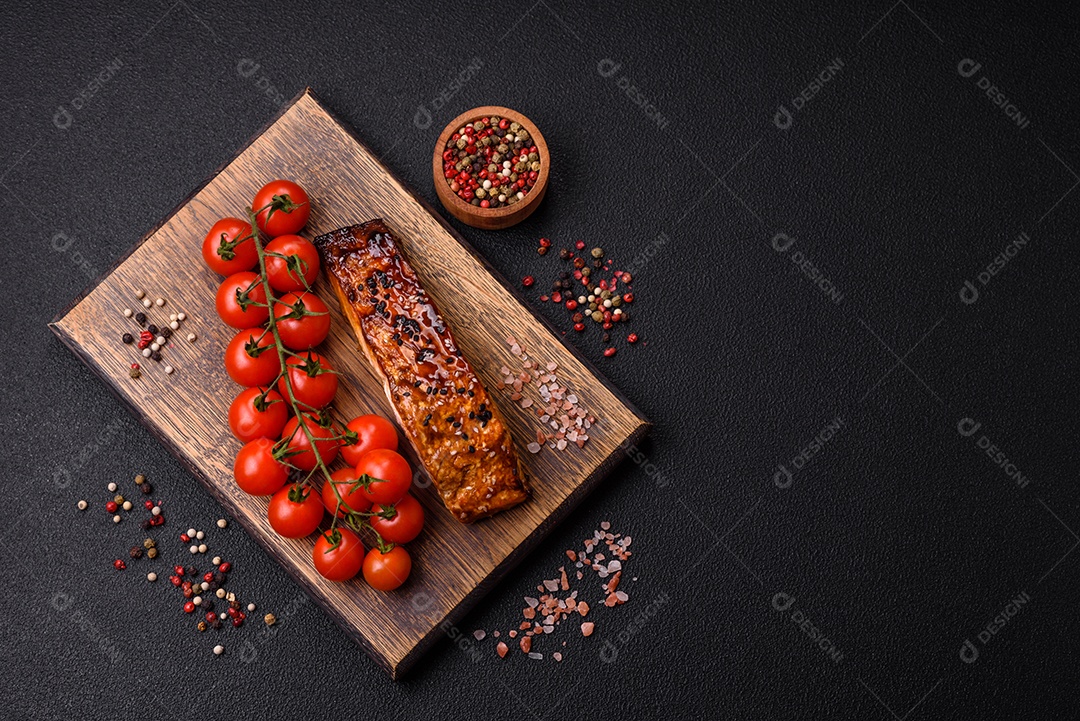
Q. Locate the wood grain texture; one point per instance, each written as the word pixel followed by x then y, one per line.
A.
pixel 455 564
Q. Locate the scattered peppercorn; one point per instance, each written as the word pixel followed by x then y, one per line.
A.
pixel 528 281
pixel 135 552
pixel 119 565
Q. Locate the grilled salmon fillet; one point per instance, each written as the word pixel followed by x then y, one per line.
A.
pixel 451 421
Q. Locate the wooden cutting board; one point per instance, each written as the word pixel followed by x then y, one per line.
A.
pixel 454 565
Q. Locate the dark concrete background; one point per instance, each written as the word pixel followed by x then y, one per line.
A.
pixel 899 179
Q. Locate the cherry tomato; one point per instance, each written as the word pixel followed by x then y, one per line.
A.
pixel 283 208
pixel 251 361
pixel 387 571
pixel 228 305
pixel 297 323
pixel 314 383
pixel 338 556
pixel 298 270
pixel 390 473
pixel 372 432
pixel 253 416
pixel 222 251
pixel 297 441
pixel 353 499
pixel 406 524
pixel 257 471
pixel 295 511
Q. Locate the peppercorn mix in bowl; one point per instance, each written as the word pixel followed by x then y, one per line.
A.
pixel 491 167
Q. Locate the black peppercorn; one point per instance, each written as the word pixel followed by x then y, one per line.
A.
pixel 564 254
pixel 147 489
pixel 135 552
pixel 607 337
pixel 153 328
pixel 166 332
pixel 127 338
pixel 156 355
pixel 144 524
pixel 598 263
pixel 140 318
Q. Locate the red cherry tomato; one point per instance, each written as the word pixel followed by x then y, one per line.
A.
pixel 387 571
pixel 372 432
pixel 257 471
pixel 253 415
pixel 229 306
pixel 302 320
pixel 390 474
pixel 282 208
pixel 352 495
pixel 251 358
pixel 339 555
pixel 406 524
pixel 303 456
pixel 314 383
pixel 229 247
pixel 295 512
pixel 297 270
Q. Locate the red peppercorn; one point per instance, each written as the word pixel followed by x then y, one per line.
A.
pixel 189 607
pixel 149 505
pixel 485 203
pixel 111 506
pixel 225 567
pixel 185 538
pixel 504 124
pixel 175 580
pixel 236 622
pixel 580 245
pixel 178 570
pixel 544 298
pixel 210 615
pixel 189 592
pixel 628 298
pixel 157 520
pixel 134 366
pixel 607 325
pixel 632 338
pixel 571 304
pixel 609 352
pixel 528 281
pixel 579 327
pixel 557 297
pixel 119 565
pixel 545 243
pixel 208 576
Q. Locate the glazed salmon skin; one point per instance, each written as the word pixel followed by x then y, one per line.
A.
pixel 440 404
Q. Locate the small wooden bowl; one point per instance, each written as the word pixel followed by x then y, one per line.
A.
pixel 491 218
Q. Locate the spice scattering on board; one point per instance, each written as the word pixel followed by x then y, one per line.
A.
pixel 605 554
pixel 152 339
pixel 491 162
pixel 556 406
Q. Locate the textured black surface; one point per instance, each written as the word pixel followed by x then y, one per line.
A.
pixel 899 180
